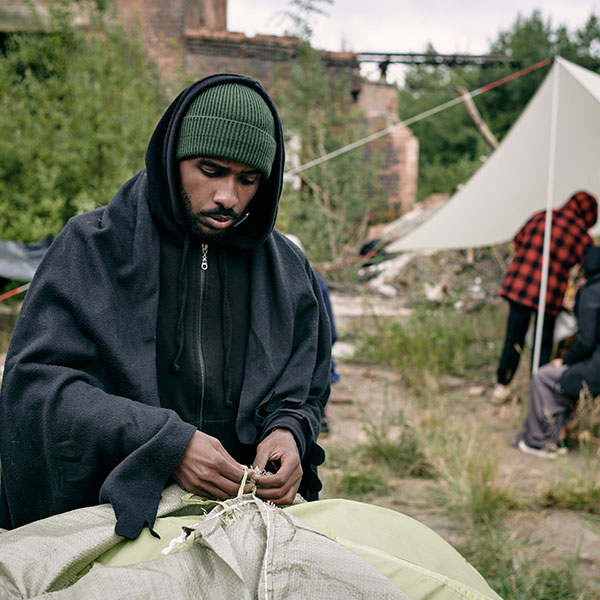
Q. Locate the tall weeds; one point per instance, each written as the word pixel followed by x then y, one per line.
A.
pixel 395 444
pixel 506 563
pixel 580 488
pixel 432 342
pixel 466 469
pixel 460 459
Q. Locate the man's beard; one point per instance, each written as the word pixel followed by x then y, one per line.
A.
pixel 196 231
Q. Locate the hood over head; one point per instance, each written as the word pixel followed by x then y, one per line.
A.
pixel 591 261
pixel 162 164
pixel 584 205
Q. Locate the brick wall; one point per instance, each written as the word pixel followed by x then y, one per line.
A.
pixel 399 171
pixel 192 34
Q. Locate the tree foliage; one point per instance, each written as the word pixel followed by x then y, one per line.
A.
pixel 450 147
pixel 77 106
pixel 335 197
pixel 300 15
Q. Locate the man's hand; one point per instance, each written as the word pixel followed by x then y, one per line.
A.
pixel 207 469
pixel 281 487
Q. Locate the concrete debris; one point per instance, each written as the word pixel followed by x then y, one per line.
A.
pixel 343 350
pixel 387 271
pixel 434 293
pixel 349 310
pixel 476 390
pixel 410 220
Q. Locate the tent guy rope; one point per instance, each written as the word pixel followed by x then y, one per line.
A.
pixel 424 115
pixel 416 118
pixel 15 291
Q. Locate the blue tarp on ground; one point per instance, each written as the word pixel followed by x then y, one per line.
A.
pixel 19 261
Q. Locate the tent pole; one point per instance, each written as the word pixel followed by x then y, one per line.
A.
pixel 548 224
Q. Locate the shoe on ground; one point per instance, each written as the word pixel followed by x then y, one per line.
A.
pixel 548 452
pixel 562 447
pixel 500 394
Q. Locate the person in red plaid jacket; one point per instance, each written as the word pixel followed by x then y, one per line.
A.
pixel 521 286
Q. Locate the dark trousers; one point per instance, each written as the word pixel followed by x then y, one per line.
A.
pixel 516 330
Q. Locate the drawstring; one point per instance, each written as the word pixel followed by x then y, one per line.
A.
pixel 246 215
pixel 181 302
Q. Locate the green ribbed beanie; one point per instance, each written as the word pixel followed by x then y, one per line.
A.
pixel 231 121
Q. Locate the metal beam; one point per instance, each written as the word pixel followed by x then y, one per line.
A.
pixel 430 58
pixel 384 60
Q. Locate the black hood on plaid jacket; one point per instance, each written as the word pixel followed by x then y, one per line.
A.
pixel 82 419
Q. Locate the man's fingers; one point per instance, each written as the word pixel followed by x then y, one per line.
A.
pixel 261 459
pixel 282 496
pixel 207 457
pixel 277 479
pixel 207 468
pixel 220 488
pixel 227 465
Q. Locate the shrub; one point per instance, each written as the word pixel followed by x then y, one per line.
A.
pixel 359 482
pixel 75 125
pixel 504 563
pixel 392 442
pixel 432 342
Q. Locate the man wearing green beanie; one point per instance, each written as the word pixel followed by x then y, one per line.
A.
pixel 172 335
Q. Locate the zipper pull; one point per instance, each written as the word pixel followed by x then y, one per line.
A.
pixel 204 264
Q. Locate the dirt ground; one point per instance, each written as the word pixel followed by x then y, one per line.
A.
pixel 559 534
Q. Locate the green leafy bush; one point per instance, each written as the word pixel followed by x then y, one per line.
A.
pixel 359 483
pixel 77 107
pixel 393 443
pixel 329 209
pixel 432 342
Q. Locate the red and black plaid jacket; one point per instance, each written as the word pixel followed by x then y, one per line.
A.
pixel 568 242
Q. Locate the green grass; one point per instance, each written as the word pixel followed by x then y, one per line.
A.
pixel 585 499
pixel 586 421
pixel 468 488
pixel 394 444
pixel 514 574
pixel 465 488
pixel 432 342
pixel 358 483
pixel 7 324
pixel 392 450
pixel 579 489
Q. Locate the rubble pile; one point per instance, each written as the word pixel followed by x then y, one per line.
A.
pixel 466 278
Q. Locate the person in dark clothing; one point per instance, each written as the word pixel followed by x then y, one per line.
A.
pixel 555 388
pixel 521 285
pixel 335 376
pixel 172 334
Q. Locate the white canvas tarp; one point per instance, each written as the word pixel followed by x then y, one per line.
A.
pixel 524 172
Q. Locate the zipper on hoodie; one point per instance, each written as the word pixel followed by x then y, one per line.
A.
pixel 200 353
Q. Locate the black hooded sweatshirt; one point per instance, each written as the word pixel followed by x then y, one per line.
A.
pixel 583 358
pixel 125 346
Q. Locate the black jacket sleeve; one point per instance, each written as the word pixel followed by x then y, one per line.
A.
pixel 80 417
pixel 586 340
pixel 288 369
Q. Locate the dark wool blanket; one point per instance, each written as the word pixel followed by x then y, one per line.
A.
pixel 81 420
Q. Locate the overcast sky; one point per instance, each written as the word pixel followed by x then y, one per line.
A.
pixel 464 26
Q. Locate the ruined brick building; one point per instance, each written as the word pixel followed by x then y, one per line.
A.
pixel 192 35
